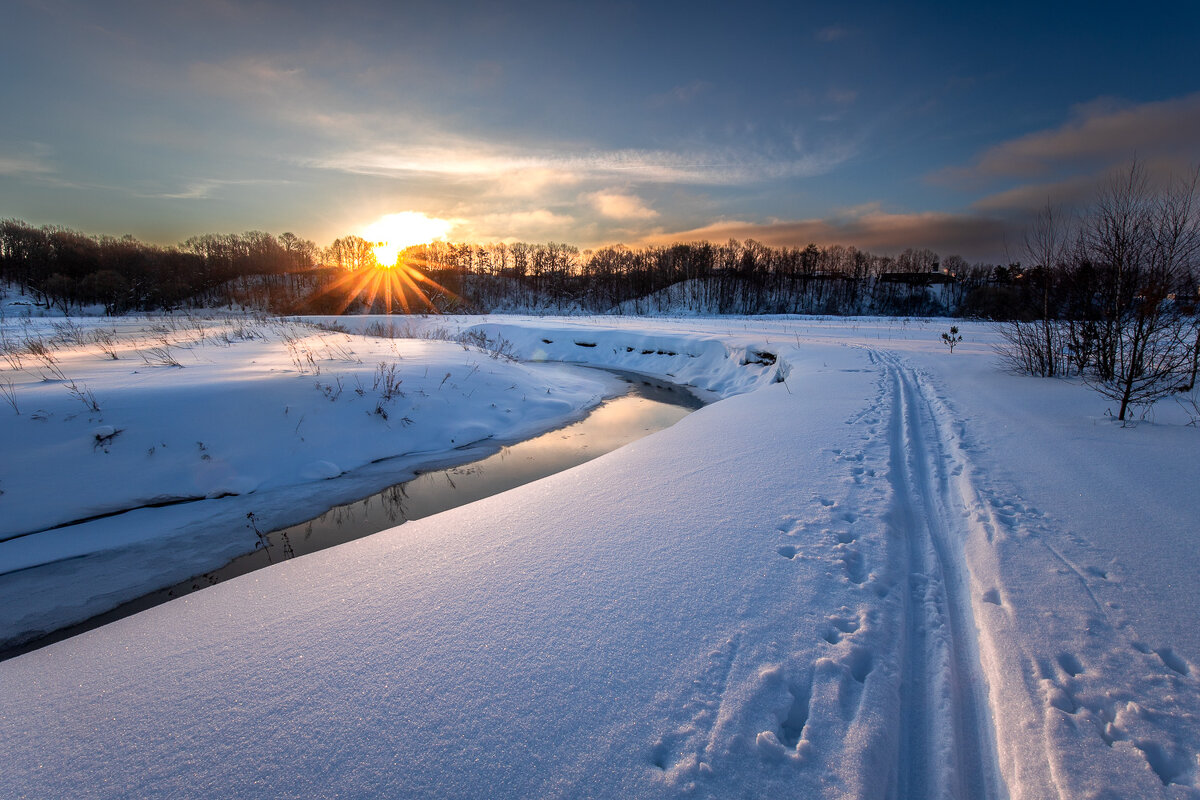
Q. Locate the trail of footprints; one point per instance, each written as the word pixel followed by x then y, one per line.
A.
pixel 830 531
pixel 827 530
pixel 1076 689
pixel 1140 715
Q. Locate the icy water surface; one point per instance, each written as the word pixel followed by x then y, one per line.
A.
pixel 649 406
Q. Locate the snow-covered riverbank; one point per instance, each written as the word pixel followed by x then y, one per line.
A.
pixel 874 569
pixel 142 445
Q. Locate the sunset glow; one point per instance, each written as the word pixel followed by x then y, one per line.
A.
pixel 396 280
pixel 391 234
pixel 503 130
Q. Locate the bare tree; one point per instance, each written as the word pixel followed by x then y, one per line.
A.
pixel 1147 244
pixel 1045 247
pixel 1039 347
pixel 350 252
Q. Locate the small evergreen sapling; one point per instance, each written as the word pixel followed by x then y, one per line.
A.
pixel 952 338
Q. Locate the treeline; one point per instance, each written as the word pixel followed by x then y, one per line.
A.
pixel 286 274
pixel 66 269
pixel 731 278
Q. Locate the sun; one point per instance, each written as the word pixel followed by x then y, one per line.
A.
pixel 396 279
pixel 391 234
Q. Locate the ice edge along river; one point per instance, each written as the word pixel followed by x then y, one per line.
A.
pixel 650 404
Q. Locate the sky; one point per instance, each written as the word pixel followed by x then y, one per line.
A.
pixel 878 125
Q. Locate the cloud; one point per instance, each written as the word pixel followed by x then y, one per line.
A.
pixel 1067 165
pixel 292 99
pixel 204 188
pixel 1073 192
pixel 530 224
pixel 616 205
pixel 31 164
pixel 1100 134
pixel 480 160
pixel 1077 192
pixel 831 33
pixel 247 78
pixel 320 128
pixel 26 161
pixel 976 237
pixel 843 97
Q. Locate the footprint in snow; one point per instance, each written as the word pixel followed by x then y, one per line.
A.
pixel 786 740
pixel 791 727
pixel 838 628
pixel 856 570
pixel 1170 764
pixel 1174 661
pixel 1069 664
pixel 1060 698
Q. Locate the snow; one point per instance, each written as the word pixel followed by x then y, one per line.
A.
pixel 15 304
pixel 872 569
pixel 254 415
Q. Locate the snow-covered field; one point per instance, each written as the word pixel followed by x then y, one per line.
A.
pixel 872 569
pixel 142 444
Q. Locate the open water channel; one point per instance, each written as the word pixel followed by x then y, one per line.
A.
pixel 648 406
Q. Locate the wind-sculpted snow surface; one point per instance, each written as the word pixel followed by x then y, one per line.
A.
pixel 866 572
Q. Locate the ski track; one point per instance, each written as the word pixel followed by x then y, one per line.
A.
pixel 950 744
pixel 944 729
pixel 901 677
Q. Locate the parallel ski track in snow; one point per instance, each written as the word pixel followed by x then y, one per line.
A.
pixel 946 738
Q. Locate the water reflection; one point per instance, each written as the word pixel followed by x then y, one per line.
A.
pixel 648 408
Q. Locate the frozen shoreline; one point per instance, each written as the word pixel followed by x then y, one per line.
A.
pixel 648 405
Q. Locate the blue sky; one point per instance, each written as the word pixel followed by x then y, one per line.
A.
pixel 872 124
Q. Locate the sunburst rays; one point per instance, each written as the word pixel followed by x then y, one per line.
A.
pixel 398 287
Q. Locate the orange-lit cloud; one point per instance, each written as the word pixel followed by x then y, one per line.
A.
pixel 1077 191
pixel 976 237
pixel 621 206
pixel 1099 135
